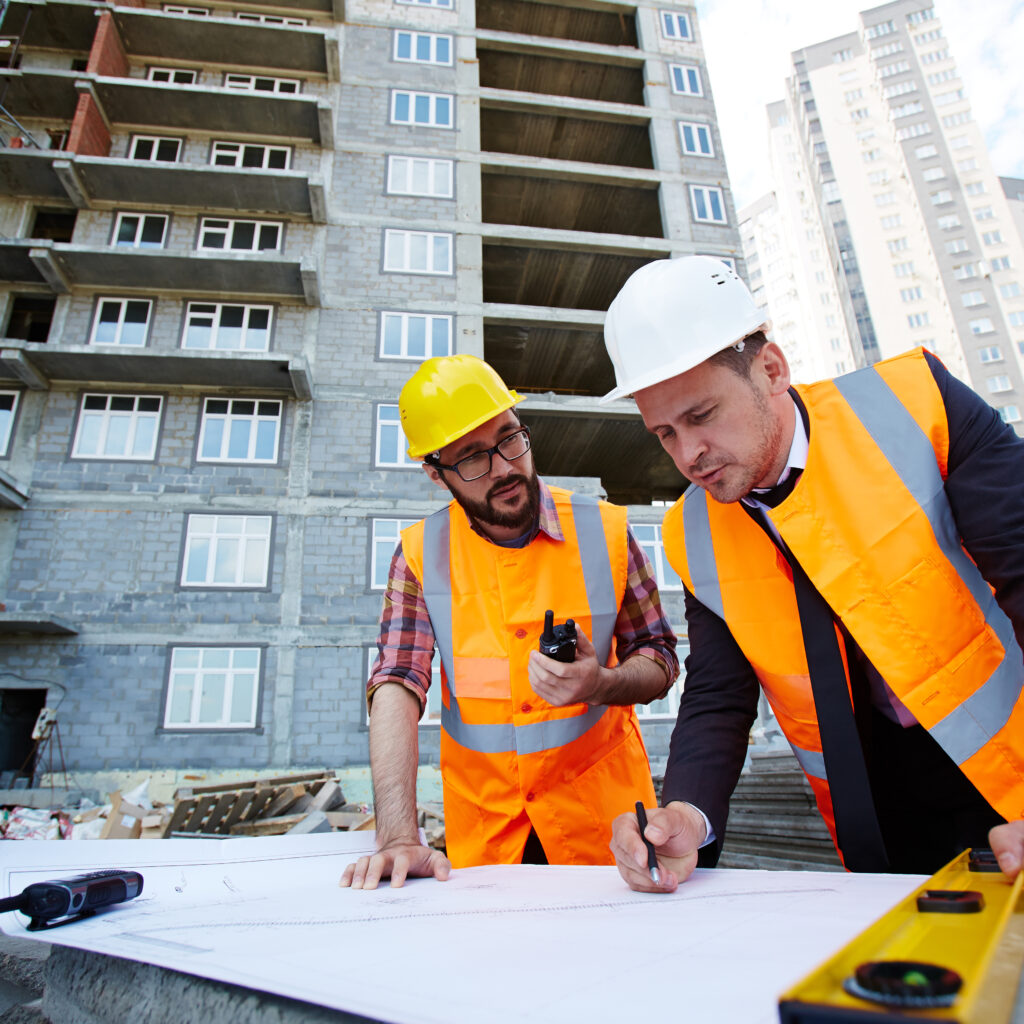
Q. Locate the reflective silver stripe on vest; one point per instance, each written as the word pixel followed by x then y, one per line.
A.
pixel 966 729
pixel 437 595
pixel 700 552
pixel 812 761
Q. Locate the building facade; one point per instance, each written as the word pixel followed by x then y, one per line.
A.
pixel 230 231
pixel 875 148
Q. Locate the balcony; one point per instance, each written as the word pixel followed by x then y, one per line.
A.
pixel 589 21
pixel 39 366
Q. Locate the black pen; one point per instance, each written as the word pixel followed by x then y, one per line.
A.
pixel 652 857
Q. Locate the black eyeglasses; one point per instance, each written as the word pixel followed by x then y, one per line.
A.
pixel 474 466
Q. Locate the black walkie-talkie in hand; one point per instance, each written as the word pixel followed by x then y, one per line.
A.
pixel 558 642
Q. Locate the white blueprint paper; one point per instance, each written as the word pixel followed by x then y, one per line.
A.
pixel 502 944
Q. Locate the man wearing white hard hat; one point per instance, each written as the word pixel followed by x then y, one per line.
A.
pixel 855 548
pixel 539 752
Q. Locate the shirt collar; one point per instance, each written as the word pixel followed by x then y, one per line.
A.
pixel 797 458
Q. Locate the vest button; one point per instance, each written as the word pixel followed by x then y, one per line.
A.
pixel 529 797
pixel 526 708
pixel 520 634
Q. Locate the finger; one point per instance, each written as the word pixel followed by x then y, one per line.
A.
pixel 1007 843
pixel 359 872
pixel 583 644
pixel 346 876
pixel 377 867
pixel 399 870
pixel 442 866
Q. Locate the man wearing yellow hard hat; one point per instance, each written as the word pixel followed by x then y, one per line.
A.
pixel 537 755
pixel 855 549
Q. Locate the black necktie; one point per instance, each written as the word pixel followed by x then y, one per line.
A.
pixel 780 492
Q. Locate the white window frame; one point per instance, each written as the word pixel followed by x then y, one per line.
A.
pixel 446 5
pixel 210 227
pixel 990 354
pixel 1010 290
pixel 992 238
pixel 708 194
pixel 250 83
pixel 195 12
pixel 237 151
pixel 998 383
pixel 236 423
pixel 119 330
pixel 405 174
pixel 683 77
pixel 676 26
pixel 983 325
pixel 390 320
pixel 388 430
pixel 244 665
pixel 242 543
pixel 693 135
pixel 384 537
pixel 141 426
pixel 140 227
pixel 271 19
pixel 172 76
pixel 157 141
pixel 1009 413
pixel 434 41
pixel 972 299
pixel 419 252
pixel 7 418
pixel 648 536
pixel 428 102
pixel 216 311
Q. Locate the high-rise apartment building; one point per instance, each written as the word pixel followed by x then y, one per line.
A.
pixel 230 231
pixel 876 148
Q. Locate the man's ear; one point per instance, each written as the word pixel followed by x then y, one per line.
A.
pixel 775 368
pixel 435 475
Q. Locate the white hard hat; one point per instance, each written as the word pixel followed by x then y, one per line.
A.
pixel 671 315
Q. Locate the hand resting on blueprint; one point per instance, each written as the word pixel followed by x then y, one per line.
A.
pixel 676 831
pixel 1007 842
pixel 399 860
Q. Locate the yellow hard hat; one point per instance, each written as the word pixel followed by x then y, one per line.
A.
pixel 446 398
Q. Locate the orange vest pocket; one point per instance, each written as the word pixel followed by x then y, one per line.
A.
pixel 482 678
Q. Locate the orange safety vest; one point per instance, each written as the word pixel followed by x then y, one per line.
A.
pixel 510 760
pixel 870 524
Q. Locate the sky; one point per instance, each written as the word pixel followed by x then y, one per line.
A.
pixel 748 70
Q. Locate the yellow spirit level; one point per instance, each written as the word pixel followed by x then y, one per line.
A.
pixel 950 951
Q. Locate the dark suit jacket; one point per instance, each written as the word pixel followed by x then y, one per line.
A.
pixel 985 488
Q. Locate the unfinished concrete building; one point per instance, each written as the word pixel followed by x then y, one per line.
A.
pixel 229 232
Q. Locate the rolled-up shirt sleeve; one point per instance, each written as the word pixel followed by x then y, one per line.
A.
pixel 405 646
pixel 642 626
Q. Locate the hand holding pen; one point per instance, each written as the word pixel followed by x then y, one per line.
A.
pixel 658 839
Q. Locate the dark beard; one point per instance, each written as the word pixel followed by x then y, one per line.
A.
pixel 483 512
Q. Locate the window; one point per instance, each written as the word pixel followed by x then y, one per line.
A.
pixel 270 19
pixel 196 12
pixel 686 80
pixel 226 551
pixel 906 110
pixel 887 50
pixel 894 220
pixel 949 221
pixel 262 83
pixel 913 131
pixel 925 152
pixel 963 271
pixel 970 164
pixel 696 138
pixel 944 99
pixel 934 56
pixel 648 536
pixel 1000 382
pixel 140 230
pixel 708 204
pixel 421 176
pixel 984 213
pixel 239 430
pixel 870 155
pixel 853 95
pixel 176 76
pixel 1001 263
pixel 415 335
pixel 418 252
pixel 121 322
pixel 896 245
pixel 391 446
pixel 446 4
pixel 973 299
pixel 916 17
pixel 903 269
pixel 952 120
pixel 251 156
pixel 975 188
pixel 928 37
pixel 990 354
pixel 219 325
pixel 888 70
pixel 840 56
pixel 213 688
pixel 983 325
pixel 1009 413
pixel 240 235
pixel 940 197
pixel 911 294
pixel 117 427
pixel 386 535
pixel 992 237
pixel 1016 320
pixel 432 109
pixel 423 48
pixel 1009 291
pixel 884 198
pixel 960 142
pixel 876 178
pixel 934 173
pixel 900 89
pixel 8 408
pixel 859 114
pixel 883 28
pixel 675 25
pixel 917 320
pixel 154 148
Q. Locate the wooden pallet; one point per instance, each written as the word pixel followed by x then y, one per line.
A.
pixel 215 810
